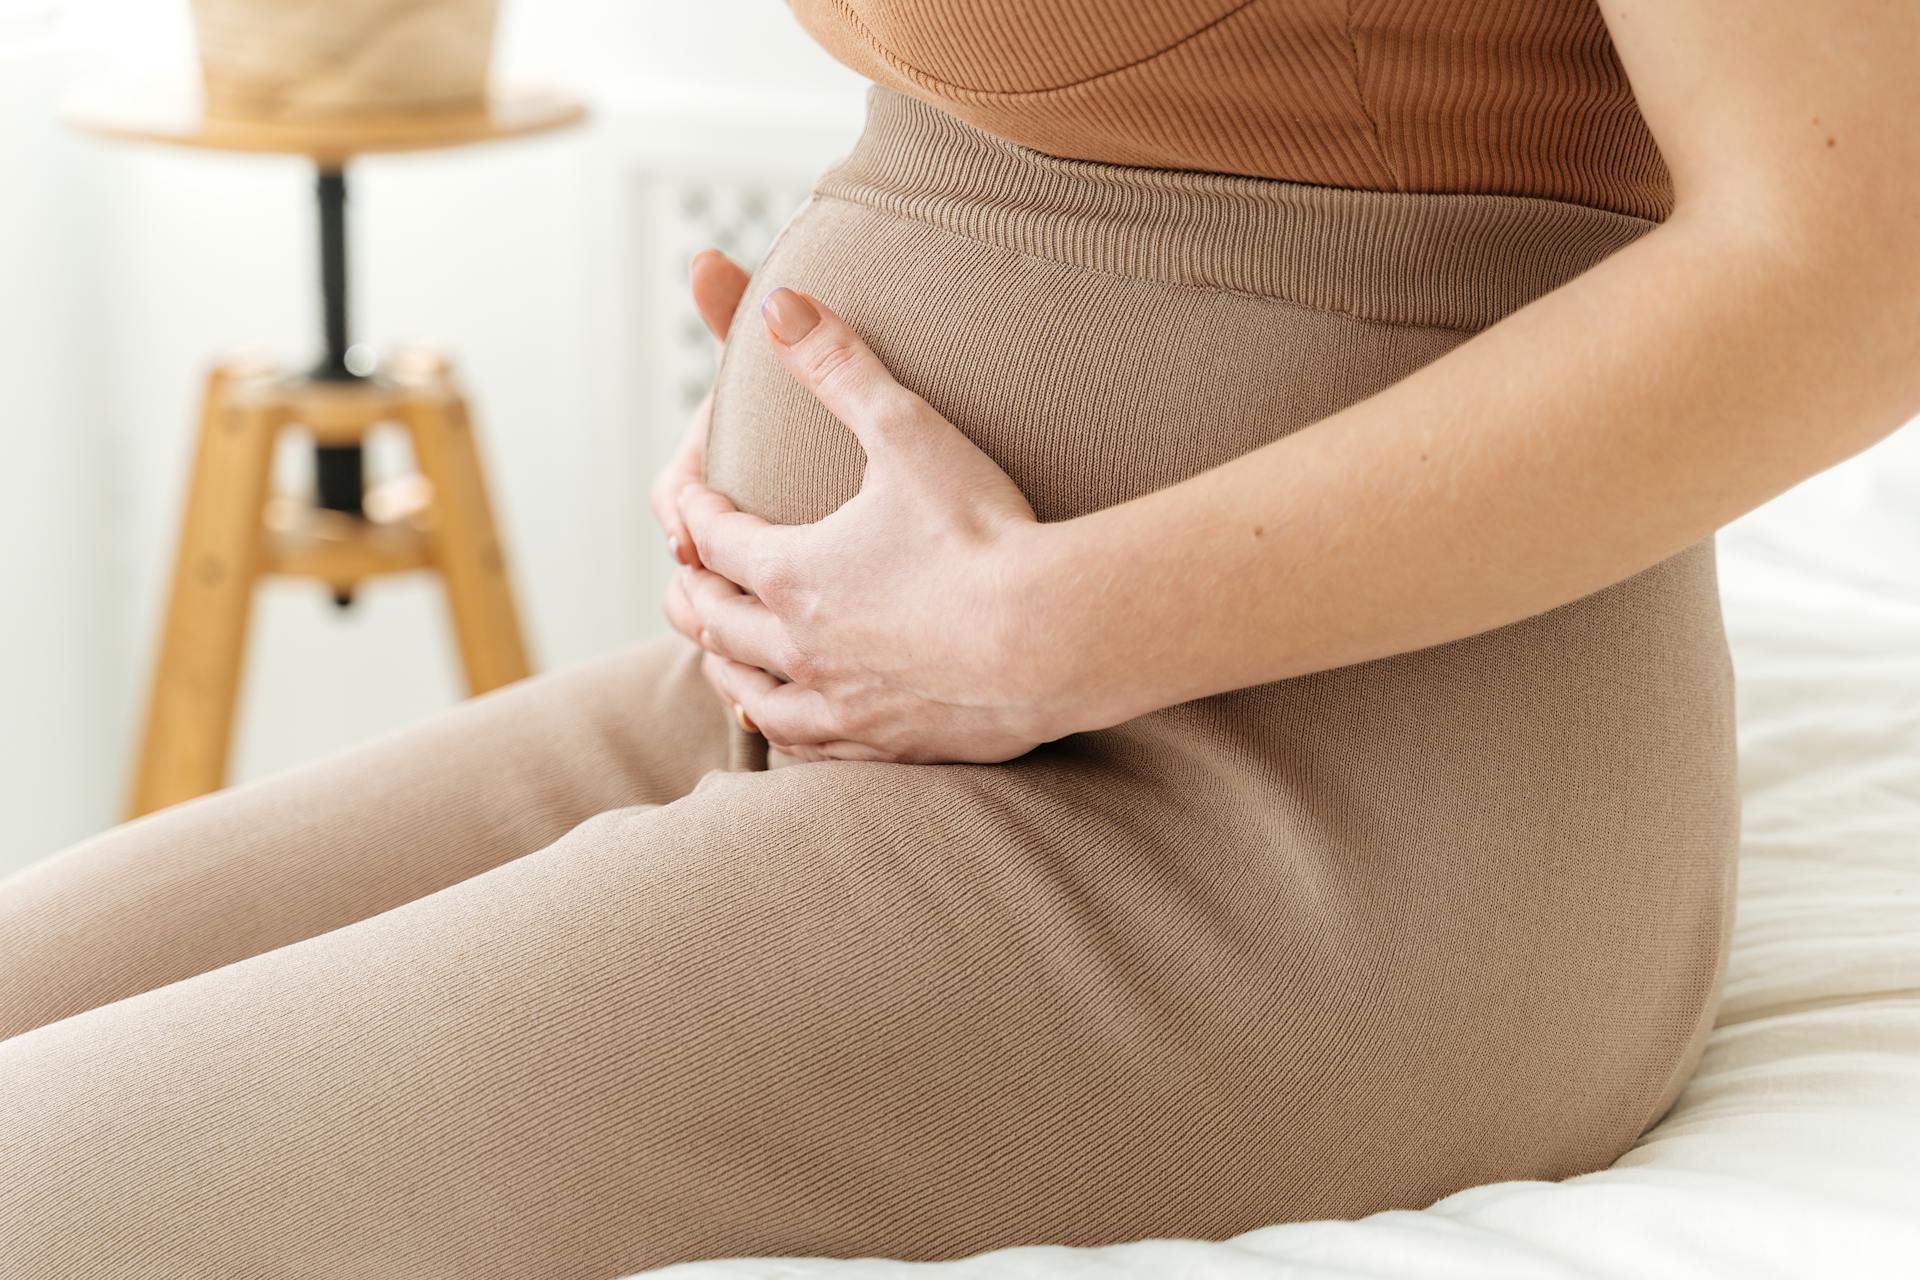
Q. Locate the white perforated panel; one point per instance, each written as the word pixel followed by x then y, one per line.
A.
pixel 728 177
pixel 738 217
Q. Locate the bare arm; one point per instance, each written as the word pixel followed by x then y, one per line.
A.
pixel 1768 330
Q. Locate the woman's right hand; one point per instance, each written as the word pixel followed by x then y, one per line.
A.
pixel 718 282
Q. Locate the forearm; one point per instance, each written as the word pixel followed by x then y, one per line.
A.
pixel 1604 427
pixel 1764 332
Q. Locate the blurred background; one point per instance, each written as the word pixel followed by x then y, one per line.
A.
pixel 552 269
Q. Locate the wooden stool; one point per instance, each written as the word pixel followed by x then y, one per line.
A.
pixel 235 529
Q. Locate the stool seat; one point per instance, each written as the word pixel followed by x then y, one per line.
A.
pixel 171 111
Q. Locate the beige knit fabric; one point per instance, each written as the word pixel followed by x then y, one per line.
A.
pixel 538 989
pixel 1502 97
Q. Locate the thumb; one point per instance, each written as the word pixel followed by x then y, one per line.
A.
pixel 829 359
pixel 718 283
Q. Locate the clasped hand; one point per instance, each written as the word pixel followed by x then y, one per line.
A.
pixel 890 630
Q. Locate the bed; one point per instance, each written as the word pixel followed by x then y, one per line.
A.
pixel 1795 1149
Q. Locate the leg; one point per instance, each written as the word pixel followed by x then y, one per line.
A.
pixel 827 1009
pixel 832 1009
pixel 197 679
pixel 466 544
pixel 229 875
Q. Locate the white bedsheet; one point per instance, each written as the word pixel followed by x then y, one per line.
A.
pixel 1795 1149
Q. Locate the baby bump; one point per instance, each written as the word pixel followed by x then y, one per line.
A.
pixel 1102 332
pixel 1491 814
pixel 1496 810
pixel 1087 388
pixel 1599 726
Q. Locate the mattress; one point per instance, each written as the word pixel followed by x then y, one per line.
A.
pixel 1795 1149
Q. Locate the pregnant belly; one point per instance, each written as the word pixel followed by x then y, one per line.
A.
pixel 1103 332
pixel 1086 387
pixel 1090 388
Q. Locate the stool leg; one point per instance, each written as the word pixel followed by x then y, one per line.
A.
pixel 464 543
pixel 196 681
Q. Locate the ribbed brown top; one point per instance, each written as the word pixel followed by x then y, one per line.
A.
pixel 1503 97
pixel 1455 261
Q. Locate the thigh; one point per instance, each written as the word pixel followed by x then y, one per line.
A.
pixel 258 866
pixel 828 1009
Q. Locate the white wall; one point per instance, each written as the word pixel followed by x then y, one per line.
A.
pixel 542 265
pixel 58 619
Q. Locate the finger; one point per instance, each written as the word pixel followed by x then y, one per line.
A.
pixel 679 609
pixel 786 714
pixel 830 360
pixel 737 684
pixel 844 750
pixel 667 513
pixel 817 752
pixel 684 466
pixel 732 624
pixel 709 665
pixel 718 283
pixel 727 540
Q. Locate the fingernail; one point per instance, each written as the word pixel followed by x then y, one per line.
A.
pixel 673 548
pixel 790 316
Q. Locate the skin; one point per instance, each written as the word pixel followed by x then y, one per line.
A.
pixel 1763 333
pixel 717 283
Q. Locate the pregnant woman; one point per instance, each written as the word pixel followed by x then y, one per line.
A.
pixel 1203 537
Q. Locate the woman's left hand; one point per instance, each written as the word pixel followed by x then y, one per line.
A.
pixel 892 629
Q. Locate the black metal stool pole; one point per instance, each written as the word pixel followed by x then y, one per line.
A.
pixel 339 470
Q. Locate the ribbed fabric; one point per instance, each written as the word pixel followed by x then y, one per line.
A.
pixel 1442 261
pixel 1317 948
pixel 1504 97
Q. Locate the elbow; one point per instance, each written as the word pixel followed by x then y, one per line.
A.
pixel 1836 285
pixel 1845 243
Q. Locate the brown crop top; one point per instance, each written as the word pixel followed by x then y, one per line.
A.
pixel 1517 97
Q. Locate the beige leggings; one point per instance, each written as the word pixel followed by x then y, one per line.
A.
pixel 536 989
pixel 389 1014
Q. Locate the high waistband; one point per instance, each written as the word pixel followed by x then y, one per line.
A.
pixel 1455 261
